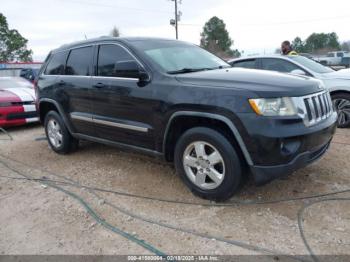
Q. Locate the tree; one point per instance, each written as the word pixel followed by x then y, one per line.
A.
pixel 319 42
pixel 345 46
pixel 115 32
pixel 215 38
pixel 299 45
pixel 13 46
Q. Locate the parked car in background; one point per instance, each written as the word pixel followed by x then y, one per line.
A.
pixel 17 102
pixel 177 101
pixel 332 58
pixel 29 73
pixel 345 61
pixel 337 82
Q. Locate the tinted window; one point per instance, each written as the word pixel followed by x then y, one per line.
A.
pixel 245 63
pixel 79 61
pixel 278 65
pixel 340 54
pixel 56 64
pixel 311 64
pixel 108 55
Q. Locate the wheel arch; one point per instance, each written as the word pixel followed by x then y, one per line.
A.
pixel 46 105
pixel 193 119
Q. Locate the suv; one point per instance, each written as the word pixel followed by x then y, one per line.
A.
pixel 174 100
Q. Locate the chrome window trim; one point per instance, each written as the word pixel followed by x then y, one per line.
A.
pixel 97 44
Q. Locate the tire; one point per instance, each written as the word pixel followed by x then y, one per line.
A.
pixel 341 103
pixel 58 136
pixel 190 166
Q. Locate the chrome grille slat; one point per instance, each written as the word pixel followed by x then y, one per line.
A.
pixel 317 107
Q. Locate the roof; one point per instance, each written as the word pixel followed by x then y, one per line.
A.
pixel 110 38
pixel 259 56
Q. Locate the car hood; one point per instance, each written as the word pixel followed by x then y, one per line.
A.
pixel 341 75
pixel 17 94
pixel 262 83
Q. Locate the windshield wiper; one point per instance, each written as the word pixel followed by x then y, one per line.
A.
pixel 187 70
pixel 191 70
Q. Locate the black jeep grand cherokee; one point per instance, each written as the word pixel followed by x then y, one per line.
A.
pixel 175 100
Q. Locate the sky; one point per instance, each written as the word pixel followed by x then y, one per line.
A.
pixel 256 26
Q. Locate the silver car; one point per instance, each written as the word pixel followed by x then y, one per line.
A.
pixel 338 82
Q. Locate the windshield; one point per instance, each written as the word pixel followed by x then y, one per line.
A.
pixel 179 57
pixel 311 64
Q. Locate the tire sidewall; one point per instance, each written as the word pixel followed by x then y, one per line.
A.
pixel 233 168
pixel 64 148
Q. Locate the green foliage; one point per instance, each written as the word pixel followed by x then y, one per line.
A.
pixel 299 45
pixel 13 46
pixel 317 42
pixel 215 38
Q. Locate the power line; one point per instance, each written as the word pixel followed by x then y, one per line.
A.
pixel 118 6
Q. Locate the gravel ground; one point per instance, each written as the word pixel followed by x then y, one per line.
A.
pixel 39 219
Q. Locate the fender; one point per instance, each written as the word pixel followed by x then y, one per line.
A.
pixel 222 118
pixel 60 111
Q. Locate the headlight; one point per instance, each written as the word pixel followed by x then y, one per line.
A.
pixel 273 106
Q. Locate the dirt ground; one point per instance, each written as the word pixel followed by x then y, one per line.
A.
pixel 39 219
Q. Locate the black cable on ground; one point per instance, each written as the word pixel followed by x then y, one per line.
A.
pixel 138 217
pixel 301 225
pixel 91 212
pixel 6 133
pixel 230 203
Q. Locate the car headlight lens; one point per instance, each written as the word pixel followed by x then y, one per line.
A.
pixel 273 106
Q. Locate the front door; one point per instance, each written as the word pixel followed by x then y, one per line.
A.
pixel 122 108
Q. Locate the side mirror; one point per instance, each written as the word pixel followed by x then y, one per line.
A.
pixel 298 72
pixel 130 69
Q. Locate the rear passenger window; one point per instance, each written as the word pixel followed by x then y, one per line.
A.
pixel 278 65
pixel 245 64
pixel 56 64
pixel 108 55
pixel 79 61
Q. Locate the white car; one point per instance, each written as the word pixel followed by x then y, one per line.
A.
pixel 338 82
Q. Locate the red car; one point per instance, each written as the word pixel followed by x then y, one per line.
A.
pixel 17 102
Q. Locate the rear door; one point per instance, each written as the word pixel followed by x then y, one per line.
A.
pixel 122 109
pixel 76 89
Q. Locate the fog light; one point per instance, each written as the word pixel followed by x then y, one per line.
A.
pixel 289 146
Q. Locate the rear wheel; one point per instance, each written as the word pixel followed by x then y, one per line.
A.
pixel 58 136
pixel 341 103
pixel 208 164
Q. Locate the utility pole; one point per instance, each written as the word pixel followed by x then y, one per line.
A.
pixel 175 22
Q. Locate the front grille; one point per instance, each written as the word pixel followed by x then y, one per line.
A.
pixel 318 107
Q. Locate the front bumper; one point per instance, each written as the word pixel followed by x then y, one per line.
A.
pixel 264 174
pixel 18 115
pixel 280 147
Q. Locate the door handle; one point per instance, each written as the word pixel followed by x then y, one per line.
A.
pixel 61 83
pixel 99 85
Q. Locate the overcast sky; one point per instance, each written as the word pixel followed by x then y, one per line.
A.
pixel 256 26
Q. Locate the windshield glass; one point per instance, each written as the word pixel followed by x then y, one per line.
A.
pixel 173 56
pixel 311 65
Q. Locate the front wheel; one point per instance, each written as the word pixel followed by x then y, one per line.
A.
pixel 208 164
pixel 341 103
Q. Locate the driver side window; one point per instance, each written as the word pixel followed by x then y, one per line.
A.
pixel 108 56
pixel 278 65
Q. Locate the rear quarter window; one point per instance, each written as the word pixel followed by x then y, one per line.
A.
pixel 251 63
pixel 56 64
